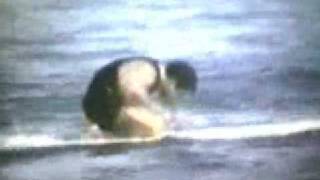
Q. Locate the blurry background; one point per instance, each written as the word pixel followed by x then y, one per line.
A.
pixel 258 63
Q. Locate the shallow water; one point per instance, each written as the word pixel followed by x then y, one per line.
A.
pixel 259 76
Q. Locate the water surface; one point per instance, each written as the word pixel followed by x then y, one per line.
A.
pixel 259 68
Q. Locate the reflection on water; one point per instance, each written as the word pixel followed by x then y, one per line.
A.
pixel 257 62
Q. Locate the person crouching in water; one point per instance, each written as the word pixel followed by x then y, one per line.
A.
pixel 122 99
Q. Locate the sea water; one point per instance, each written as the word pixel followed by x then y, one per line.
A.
pixel 255 114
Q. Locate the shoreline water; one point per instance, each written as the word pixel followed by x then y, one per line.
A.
pixel 258 65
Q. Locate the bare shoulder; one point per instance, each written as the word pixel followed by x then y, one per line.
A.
pixel 138 71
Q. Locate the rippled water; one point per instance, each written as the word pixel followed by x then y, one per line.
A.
pixel 259 69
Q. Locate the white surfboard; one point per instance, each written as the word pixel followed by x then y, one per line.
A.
pixel 212 133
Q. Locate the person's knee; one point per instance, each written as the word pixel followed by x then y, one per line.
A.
pixel 140 122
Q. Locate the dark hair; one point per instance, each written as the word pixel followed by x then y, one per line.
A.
pixel 183 74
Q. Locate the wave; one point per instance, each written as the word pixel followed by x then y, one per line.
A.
pixel 212 133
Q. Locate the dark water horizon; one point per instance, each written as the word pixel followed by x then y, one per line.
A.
pixel 259 81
